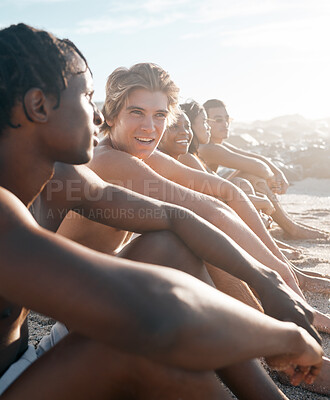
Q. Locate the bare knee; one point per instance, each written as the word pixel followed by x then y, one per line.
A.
pixel 244 185
pixel 166 249
pixel 161 248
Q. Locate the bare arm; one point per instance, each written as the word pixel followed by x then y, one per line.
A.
pixel 280 179
pixel 251 154
pixel 213 185
pixel 123 303
pixel 216 247
pixel 197 179
pixel 78 188
pixel 192 161
pixel 221 155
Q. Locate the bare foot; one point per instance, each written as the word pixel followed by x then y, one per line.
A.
pixel 312 283
pixel 305 232
pixel 322 323
pixel 283 245
pixel 291 254
pixel 310 273
pixel 318 229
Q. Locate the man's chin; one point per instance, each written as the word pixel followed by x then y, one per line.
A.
pixel 84 158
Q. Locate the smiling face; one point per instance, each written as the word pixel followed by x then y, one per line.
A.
pixel 177 138
pixel 68 136
pixel 219 122
pixel 140 123
pixel 201 128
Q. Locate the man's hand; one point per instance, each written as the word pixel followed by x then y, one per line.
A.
pixel 303 364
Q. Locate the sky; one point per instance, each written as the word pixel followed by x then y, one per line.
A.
pixel 262 58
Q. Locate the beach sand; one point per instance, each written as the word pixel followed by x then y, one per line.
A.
pixel 308 201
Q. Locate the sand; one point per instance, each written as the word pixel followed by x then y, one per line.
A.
pixel 308 201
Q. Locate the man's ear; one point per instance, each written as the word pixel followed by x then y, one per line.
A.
pixel 36 105
pixel 110 122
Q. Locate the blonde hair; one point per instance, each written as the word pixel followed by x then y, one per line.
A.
pixel 143 75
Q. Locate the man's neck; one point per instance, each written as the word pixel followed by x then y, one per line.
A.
pixel 23 171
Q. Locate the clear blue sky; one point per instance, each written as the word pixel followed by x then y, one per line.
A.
pixel 263 58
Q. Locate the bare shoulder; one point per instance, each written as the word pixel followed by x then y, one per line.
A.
pixel 161 163
pixel 116 166
pixel 206 149
pixel 191 161
pixel 13 213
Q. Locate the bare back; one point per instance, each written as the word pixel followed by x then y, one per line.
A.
pixel 13 318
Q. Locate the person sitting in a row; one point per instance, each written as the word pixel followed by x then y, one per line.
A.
pixel 259 170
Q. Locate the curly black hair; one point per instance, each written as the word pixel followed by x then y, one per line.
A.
pixel 33 58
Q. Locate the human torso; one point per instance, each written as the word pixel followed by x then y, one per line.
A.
pixel 13 320
pixel 92 234
pixel 83 230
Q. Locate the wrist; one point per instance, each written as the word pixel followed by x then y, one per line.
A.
pixel 288 340
pixel 266 281
pixel 292 339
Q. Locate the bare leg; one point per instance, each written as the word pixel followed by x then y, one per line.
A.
pixel 311 273
pixel 321 322
pixel 309 282
pixel 312 283
pixel 291 253
pixel 246 211
pixel 256 241
pixel 233 287
pixel 318 229
pixel 235 228
pixel 294 229
pixel 243 184
pixel 240 379
pixel 164 245
pixel 283 245
pixel 78 368
pixel 164 248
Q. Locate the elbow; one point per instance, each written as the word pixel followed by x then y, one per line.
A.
pixel 175 214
